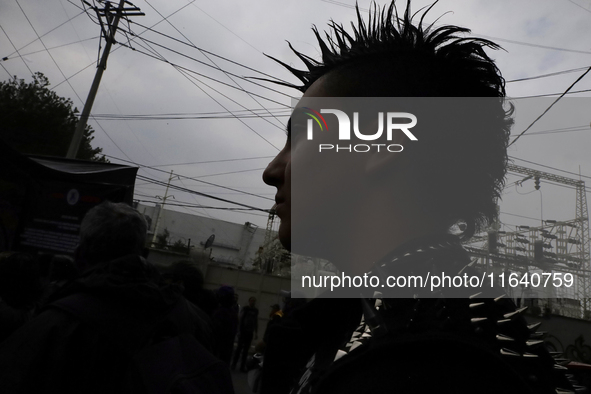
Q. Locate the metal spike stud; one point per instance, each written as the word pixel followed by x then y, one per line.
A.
pixel 517 312
pixel 475 295
pixel 534 327
pixel 538 335
pixel 564 391
pixel 530 355
pixel 476 320
pixel 476 304
pixel 560 367
pixel 501 337
pixel 501 322
pixel 533 342
pixel 499 297
pixel 507 352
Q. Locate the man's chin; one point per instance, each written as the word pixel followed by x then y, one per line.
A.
pixel 284 235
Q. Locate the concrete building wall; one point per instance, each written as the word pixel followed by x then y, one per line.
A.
pixel 235 244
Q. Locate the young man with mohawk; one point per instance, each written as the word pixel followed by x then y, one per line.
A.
pixel 400 211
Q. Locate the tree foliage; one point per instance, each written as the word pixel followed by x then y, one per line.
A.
pixel 35 120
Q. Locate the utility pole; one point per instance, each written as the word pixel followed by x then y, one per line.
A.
pixel 160 211
pixel 112 16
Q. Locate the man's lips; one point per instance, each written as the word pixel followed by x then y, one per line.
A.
pixel 279 207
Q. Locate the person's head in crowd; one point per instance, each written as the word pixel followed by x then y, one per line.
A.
pixel 252 301
pixel 274 309
pixel 188 275
pixel 454 178
pixel 225 296
pixel 21 284
pixel 110 231
pixel 62 269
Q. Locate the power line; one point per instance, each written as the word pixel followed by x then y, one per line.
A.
pixel 557 131
pixel 178 68
pixel 580 6
pixel 549 94
pixel 221 24
pixel 186 177
pixel 49 53
pixel 529 44
pixel 58 46
pixel 216 67
pixel 548 75
pixel 18 53
pixel 213 161
pixel 9 74
pixel 155 24
pixel 551 105
pixel 228 74
pixel 162 59
pixel 179 117
pixel 231 172
pixel 209 52
pixel 187 204
pixel 183 189
pixel 55 28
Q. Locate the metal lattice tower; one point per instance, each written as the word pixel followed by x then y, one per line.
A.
pixel 269 231
pixel 583 228
pixel 566 244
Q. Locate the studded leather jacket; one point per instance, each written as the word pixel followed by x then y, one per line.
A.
pixel 456 340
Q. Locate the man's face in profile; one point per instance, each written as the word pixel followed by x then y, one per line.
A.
pixel 330 185
pixel 278 174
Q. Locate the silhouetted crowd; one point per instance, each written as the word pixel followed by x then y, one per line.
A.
pixel 109 321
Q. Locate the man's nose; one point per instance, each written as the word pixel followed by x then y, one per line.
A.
pixel 273 174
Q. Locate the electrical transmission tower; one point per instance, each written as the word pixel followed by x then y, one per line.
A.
pixel 554 246
pixel 109 17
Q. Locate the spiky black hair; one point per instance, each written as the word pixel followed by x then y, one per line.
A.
pixel 388 37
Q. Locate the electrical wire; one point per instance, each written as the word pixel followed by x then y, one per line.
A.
pixel 548 109
pixel 178 68
pixel 209 52
pixel 216 67
pixel 228 74
pixel 212 161
pixel 548 75
pixel 43 50
pixel 200 74
pixel 187 177
pixel 17 51
pixel 55 28
pixel 563 130
pixel 48 52
pixel 187 190
pixel 548 94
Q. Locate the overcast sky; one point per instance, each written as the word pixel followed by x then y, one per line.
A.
pixel 539 37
